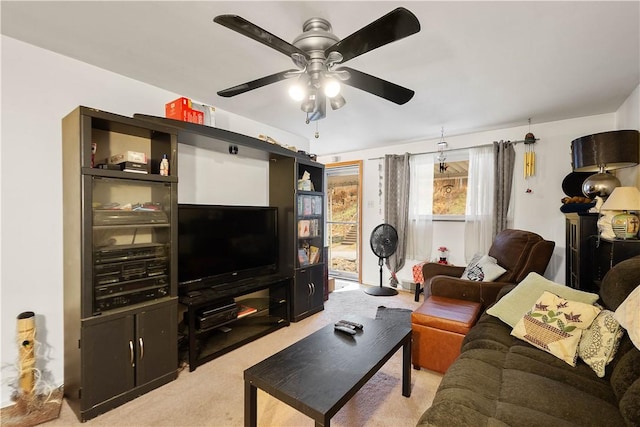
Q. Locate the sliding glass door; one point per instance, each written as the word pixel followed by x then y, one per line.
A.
pixel 344 198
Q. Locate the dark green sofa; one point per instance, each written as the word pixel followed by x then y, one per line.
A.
pixel 499 380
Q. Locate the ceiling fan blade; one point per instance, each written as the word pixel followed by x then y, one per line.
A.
pixel 248 29
pixel 395 25
pixel 382 88
pixel 255 84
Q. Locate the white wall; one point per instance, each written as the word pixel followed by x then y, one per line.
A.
pixel 39 88
pixel 628 117
pixel 537 211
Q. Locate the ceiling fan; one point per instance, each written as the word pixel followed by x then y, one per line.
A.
pixel 319 54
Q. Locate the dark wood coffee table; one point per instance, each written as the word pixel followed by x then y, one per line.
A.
pixel 320 373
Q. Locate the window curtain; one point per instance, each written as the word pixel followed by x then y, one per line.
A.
pixel 478 225
pixel 489 195
pixel 420 235
pixel 504 154
pixel 396 207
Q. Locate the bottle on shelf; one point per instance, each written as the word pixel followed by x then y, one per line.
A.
pixel 164 166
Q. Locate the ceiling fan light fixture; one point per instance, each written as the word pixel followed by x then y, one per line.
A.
pixel 331 87
pixel 309 104
pixel 337 102
pixel 297 91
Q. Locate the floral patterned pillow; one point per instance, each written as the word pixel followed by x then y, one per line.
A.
pixel 599 342
pixel 555 325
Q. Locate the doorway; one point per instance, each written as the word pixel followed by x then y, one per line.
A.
pixel 344 219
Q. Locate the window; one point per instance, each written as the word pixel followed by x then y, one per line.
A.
pixel 450 189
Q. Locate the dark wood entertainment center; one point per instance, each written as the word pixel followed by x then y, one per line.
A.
pixel 588 255
pixel 269 296
pixel 121 293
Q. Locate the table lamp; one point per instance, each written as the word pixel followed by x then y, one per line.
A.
pixel 625 225
pixel 602 152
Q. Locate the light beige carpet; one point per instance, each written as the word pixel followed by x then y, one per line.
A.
pixel 213 394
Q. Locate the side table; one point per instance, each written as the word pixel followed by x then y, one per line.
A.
pixel 418 279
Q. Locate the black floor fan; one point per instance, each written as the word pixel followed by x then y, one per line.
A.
pixel 384 242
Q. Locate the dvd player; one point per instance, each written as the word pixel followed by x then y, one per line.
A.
pixel 211 317
pixel 129 252
pixel 130 286
pixel 123 299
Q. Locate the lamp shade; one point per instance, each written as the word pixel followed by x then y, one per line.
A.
pixel 623 199
pixel 607 150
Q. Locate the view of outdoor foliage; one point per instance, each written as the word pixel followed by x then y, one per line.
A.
pixel 450 188
pixel 343 215
pixel 449 196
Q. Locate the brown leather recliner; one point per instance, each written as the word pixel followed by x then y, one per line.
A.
pixel 519 252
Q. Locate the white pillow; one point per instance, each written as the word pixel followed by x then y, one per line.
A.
pixel 482 268
pixel 628 315
pixel 511 307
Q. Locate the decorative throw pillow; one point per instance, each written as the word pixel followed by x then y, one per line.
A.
pixel 511 307
pixel 482 268
pixel 555 325
pixel 599 342
pixel 628 315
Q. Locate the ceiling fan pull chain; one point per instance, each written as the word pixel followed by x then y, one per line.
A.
pixel 317 134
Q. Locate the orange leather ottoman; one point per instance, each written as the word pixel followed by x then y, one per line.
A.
pixel 438 328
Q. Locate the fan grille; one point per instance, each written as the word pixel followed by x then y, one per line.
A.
pixel 384 240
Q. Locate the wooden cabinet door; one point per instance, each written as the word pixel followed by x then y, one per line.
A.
pixel 308 290
pixel 108 354
pixel 316 277
pixel 156 343
pixel 301 292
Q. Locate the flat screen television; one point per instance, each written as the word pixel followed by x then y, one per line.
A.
pixel 219 245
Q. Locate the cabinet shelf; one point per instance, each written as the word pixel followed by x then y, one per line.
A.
pixel 310 193
pixel 130 226
pixel 304 266
pixel 137 306
pixel 106 173
pixel 242 331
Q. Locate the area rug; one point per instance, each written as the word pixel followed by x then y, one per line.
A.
pixel 394 314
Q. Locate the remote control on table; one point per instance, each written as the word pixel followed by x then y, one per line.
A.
pixel 345 329
pixel 350 323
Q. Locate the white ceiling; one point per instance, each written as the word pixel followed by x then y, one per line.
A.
pixel 474 65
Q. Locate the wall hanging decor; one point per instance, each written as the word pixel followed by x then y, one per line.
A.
pixel 442 145
pixel 529 154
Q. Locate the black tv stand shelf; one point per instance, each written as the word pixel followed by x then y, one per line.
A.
pixel 268 296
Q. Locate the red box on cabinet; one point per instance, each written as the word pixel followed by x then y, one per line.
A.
pixel 180 109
